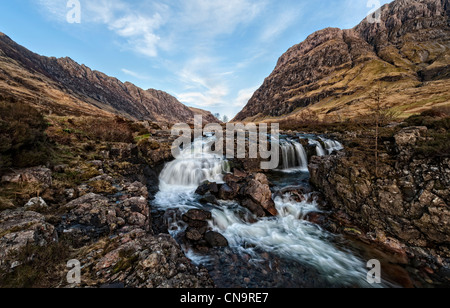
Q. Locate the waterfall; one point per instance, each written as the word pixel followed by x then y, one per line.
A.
pixel 194 166
pixel 319 148
pixel 301 154
pixel 292 238
pixel 293 156
pixel 332 145
pixel 287 235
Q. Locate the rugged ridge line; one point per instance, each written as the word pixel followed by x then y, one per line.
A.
pixel 334 71
pixel 64 86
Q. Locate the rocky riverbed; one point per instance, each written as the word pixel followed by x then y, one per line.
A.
pixel 140 219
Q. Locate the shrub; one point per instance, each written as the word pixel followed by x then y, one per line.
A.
pixel 40 266
pixel 23 142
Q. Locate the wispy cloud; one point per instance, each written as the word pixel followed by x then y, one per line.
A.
pixel 218 16
pixel 203 82
pixel 281 23
pixel 244 96
pixel 134 74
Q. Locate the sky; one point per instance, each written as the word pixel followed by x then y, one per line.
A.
pixel 209 54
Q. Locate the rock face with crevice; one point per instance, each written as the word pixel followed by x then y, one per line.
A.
pixel 334 71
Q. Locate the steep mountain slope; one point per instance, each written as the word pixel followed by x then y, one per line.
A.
pixel 335 72
pixel 65 87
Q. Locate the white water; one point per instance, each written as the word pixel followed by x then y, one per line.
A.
pixel 293 156
pixel 332 145
pixel 291 237
pixel 319 148
pixel 286 235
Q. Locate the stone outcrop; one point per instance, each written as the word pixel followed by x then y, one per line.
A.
pixel 19 228
pixel 409 204
pixel 198 234
pixel 93 216
pixel 139 260
pixel 341 68
pixel 251 191
pixel 35 175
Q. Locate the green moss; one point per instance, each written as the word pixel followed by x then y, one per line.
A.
pixel 128 259
pixel 141 137
pixel 102 187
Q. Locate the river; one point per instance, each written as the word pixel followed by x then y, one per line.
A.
pixel 282 251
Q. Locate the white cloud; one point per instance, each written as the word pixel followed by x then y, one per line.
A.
pixel 244 96
pixel 218 16
pixel 134 74
pixel 54 8
pixel 280 24
pixel 203 81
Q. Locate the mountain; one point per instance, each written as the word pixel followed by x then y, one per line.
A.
pixel 335 72
pixel 207 116
pixel 62 86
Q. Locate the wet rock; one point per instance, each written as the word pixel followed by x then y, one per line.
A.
pixel 215 239
pixel 193 234
pixel 254 208
pixel 297 193
pixel 209 199
pixel 259 191
pixel 197 217
pixel 226 193
pixel 203 189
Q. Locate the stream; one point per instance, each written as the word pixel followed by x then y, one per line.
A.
pixel 284 251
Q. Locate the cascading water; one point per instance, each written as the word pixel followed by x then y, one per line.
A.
pixel 293 156
pixel 319 148
pixel 332 145
pixel 291 237
pixel 194 166
pixel 286 236
pixel 302 157
pixel 180 178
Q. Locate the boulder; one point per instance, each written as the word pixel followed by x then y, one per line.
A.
pixel 19 228
pixel 200 215
pixel 193 234
pixel 92 216
pixel 140 260
pixel 409 135
pixel 226 192
pixel 215 239
pixel 35 204
pixel 259 192
pixel 38 175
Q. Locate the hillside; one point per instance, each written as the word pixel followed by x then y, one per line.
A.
pixel 335 72
pixel 64 87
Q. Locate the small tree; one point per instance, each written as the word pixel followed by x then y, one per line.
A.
pixel 217 115
pixel 225 119
pixel 381 115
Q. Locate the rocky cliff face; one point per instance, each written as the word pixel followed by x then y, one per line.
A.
pixel 64 86
pixel 407 208
pixel 334 71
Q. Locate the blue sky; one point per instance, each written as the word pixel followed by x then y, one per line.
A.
pixel 210 54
